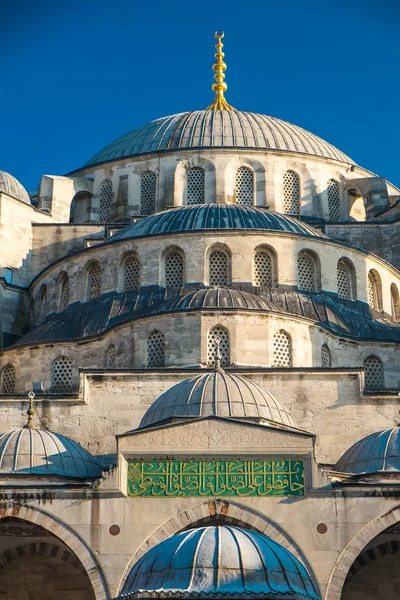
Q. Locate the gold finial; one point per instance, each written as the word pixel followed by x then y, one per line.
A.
pixel 217 364
pixel 220 86
pixel 30 412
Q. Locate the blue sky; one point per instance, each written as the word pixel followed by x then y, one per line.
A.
pixel 76 75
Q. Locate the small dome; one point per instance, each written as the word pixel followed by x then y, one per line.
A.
pixel 29 451
pixel 217 394
pixel 219 562
pixel 12 187
pixel 376 453
pixel 217 217
pixel 217 129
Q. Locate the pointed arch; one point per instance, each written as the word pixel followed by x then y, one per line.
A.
pixel 282 349
pixel 265 267
pixel 375 290
pixel 155 349
pixel 63 291
pixel 333 201
pixel 93 280
pixel 308 271
pixel 195 186
pixel 326 358
pixel 130 271
pixel 244 186
pixel 291 193
pixel 148 189
pixel 173 267
pixel 219 265
pixel 218 331
pixel 395 302
pixel 106 196
pixel 110 357
pixel 346 279
pixel 7 379
pixel 374 376
pixel 62 375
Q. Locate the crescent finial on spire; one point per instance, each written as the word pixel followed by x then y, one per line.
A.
pixel 220 86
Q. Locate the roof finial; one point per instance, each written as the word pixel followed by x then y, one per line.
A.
pixel 220 86
pixel 30 412
pixel 217 363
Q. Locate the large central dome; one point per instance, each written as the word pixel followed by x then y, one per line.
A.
pixel 217 129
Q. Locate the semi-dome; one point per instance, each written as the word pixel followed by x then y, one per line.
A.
pixel 376 453
pixel 217 394
pixel 214 562
pixel 213 217
pixel 217 129
pixel 12 187
pixel 29 451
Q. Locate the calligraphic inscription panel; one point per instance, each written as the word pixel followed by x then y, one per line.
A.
pixel 175 478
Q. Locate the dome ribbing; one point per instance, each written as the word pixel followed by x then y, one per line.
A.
pixel 376 453
pixel 12 187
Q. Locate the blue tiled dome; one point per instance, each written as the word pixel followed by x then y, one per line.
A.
pixel 217 129
pixel 376 453
pixel 207 217
pixel 219 562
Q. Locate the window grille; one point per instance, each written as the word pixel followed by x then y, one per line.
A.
pixel 333 201
pixel 174 270
pixel 371 291
pixel 110 357
pixel 218 270
pixel 223 335
pixel 8 380
pixel 263 268
pixel 282 349
pixel 306 272
pixel 61 380
pixel 94 281
pixel 291 193
pixel 65 292
pixel 72 210
pixel 155 350
pixel 148 187
pixel 394 293
pixel 326 360
pixel 343 280
pixel 105 201
pixel 244 186
pixel 373 376
pixel 131 274
pixel 195 190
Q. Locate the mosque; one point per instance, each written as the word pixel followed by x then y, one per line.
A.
pixel 199 369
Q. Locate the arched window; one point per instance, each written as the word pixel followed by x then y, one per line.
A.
pixel 110 357
pixel 374 375
pixel 244 186
pixel 131 274
pixel 174 270
pixel 7 380
pixel 106 191
pixel 306 272
pixel 346 279
pixel 374 290
pixel 282 344
pixel 333 201
pixel 264 268
pixel 223 334
pixel 156 349
pixel 195 186
pixel 218 268
pixel 394 295
pixel 8 274
pixel 43 301
pixel 291 193
pixel 64 291
pixel 72 210
pixel 148 186
pixel 326 360
pixel 94 283
pixel 61 375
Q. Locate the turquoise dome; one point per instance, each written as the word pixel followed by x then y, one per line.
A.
pixel 376 453
pixel 213 562
pixel 217 129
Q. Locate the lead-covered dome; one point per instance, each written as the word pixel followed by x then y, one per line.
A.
pixel 12 187
pixel 35 452
pixel 213 217
pixel 217 129
pixel 217 394
pixel 213 562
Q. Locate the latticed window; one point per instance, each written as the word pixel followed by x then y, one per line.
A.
pixel 61 379
pixel 374 378
pixel 195 186
pixel 131 274
pixel 263 268
pixel 7 380
pixel 291 193
pixel 64 295
pixel 156 349
pixel 282 349
pixel 374 285
pixel 306 272
pixel 94 281
pixel 343 280
pixel 174 270
pixel 148 186
pixel 326 360
pixel 105 200
pixel 394 294
pixel 110 357
pixel 218 268
pixel 244 186
pixel 215 334
pixel 333 201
